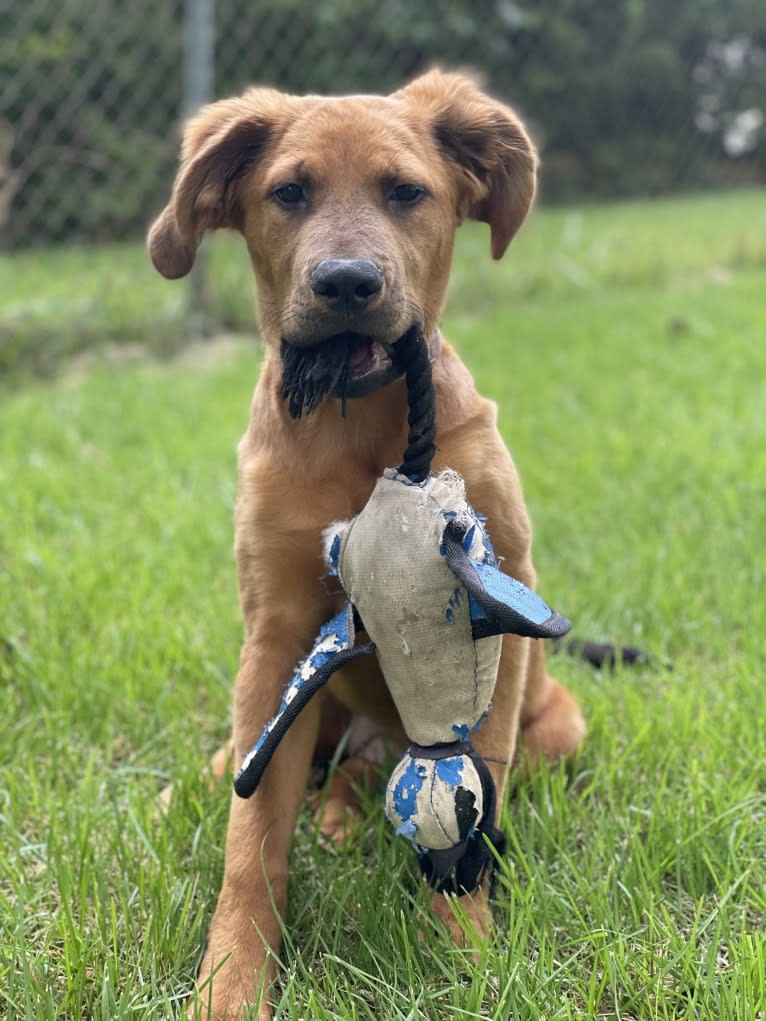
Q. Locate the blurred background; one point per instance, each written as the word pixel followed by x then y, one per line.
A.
pixel 623 97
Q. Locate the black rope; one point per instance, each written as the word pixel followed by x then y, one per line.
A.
pixel 309 374
pixel 411 356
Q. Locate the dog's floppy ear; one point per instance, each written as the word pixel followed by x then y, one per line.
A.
pixel 219 144
pixel 488 145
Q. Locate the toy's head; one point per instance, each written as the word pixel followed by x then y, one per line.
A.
pixel 442 799
pixel 434 797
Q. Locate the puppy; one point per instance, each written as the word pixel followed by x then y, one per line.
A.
pixel 349 208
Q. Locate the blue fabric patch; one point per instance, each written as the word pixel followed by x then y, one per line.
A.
pixel 460 730
pixel 408 830
pixel 336 635
pixel 512 593
pixel 335 553
pixel 450 771
pixel 481 523
pixel 453 603
pixel 339 627
pixel 476 610
pixel 490 558
pixel 408 786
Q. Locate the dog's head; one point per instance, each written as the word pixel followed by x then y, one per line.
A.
pixel 349 207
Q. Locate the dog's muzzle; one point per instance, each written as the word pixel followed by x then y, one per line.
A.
pixel 346 365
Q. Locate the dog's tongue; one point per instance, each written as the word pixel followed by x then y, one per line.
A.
pixel 362 357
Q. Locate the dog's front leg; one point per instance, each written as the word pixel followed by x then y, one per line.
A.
pixel 238 965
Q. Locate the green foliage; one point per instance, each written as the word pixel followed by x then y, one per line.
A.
pixel 623 98
pixel 92 98
pixel 624 346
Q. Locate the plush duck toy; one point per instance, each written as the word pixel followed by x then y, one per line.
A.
pixel 421 578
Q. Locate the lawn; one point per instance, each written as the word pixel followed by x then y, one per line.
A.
pixel 625 347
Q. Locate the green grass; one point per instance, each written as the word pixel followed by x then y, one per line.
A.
pixel 59 302
pixel 624 345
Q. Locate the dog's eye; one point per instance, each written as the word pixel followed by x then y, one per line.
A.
pixel 407 194
pixel 289 194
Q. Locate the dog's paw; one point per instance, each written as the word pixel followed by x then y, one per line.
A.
pixel 227 999
pixel 337 806
pixel 237 971
pixel 335 819
pixel 232 1012
pixel 556 729
pixel 197 1012
pixel 468 919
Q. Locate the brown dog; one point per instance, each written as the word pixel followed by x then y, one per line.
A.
pixel 349 209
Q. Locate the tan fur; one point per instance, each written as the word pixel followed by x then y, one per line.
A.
pixel 473 156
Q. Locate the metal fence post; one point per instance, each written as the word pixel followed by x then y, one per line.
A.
pixel 199 73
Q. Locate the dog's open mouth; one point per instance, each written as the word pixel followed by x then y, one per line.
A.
pixel 345 365
pixel 367 355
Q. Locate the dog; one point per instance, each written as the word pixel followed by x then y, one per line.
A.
pixel 349 208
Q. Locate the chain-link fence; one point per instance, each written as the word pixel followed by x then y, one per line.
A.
pixel 623 97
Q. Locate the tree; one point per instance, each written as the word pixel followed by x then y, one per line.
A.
pixel 623 96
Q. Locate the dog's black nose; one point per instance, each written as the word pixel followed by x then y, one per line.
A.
pixel 347 284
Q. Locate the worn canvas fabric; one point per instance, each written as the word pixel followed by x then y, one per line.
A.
pixel 414 609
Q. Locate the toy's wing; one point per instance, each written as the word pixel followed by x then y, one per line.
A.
pixel 499 604
pixel 334 646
